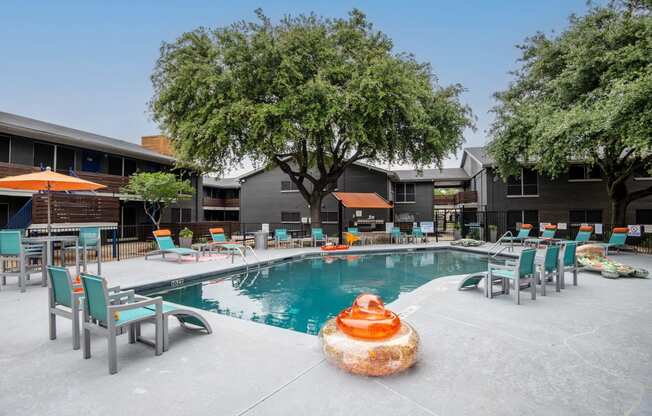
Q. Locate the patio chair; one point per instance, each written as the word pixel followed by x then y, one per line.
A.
pixel 110 313
pixel 549 268
pixel 63 300
pixel 617 240
pixel 357 233
pixel 518 274
pixel 89 240
pixel 166 246
pixel 282 237
pixel 418 235
pixel 584 234
pixel 548 236
pixel 395 236
pixel 523 233
pixel 569 263
pixel 318 236
pixel 21 255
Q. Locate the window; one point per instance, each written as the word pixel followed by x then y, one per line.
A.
pixel 584 173
pixel 522 217
pixel 231 215
pixel 43 155
pixel 329 217
pixel 290 216
pixel 642 174
pixel 288 186
pixel 115 165
pixel 405 192
pixel 186 215
pixel 524 185
pixel 65 159
pixel 175 215
pixel 644 216
pixel 91 161
pixel 4 149
pixel 130 167
pixel 585 216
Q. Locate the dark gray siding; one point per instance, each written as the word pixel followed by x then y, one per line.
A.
pixel 22 151
pixel 557 197
pixel 421 209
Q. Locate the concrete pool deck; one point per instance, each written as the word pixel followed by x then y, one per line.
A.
pixel 586 350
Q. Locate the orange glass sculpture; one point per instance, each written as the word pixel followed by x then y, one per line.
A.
pixel 368 319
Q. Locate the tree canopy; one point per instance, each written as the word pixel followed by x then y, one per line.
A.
pixel 311 95
pixel 583 95
pixel 158 190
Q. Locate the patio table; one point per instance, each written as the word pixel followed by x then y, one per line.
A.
pixel 46 242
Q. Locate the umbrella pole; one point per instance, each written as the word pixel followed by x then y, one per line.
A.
pixel 49 209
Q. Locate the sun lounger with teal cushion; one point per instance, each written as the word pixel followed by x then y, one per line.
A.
pixel 523 272
pixel 523 233
pixel 584 234
pixel 166 246
pixel 548 236
pixel 318 236
pixel 617 239
pixel 109 314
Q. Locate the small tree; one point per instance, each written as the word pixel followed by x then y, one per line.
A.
pixel 309 95
pixel 584 95
pixel 158 190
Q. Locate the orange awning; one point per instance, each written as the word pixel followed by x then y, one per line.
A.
pixel 48 180
pixel 361 200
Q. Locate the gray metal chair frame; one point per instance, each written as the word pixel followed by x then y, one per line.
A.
pixel 69 312
pixel 518 281
pixel 111 329
pixel 84 248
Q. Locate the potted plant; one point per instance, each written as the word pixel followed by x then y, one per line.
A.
pixel 185 238
pixel 493 233
pixel 457 232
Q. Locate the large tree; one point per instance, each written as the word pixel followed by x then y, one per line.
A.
pixel 583 95
pixel 309 95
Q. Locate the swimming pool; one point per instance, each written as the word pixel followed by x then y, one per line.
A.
pixel 303 294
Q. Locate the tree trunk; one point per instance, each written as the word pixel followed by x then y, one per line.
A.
pixel 619 202
pixel 315 209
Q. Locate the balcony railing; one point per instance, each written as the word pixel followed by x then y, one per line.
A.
pixel 462 197
pixel 113 182
pixel 222 202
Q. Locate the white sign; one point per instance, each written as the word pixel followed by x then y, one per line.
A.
pixel 264 227
pixel 598 228
pixel 648 228
pixel 415 224
pixel 358 213
pixel 634 231
pixel 562 226
pixel 542 225
pixel 427 226
pixel 304 220
pixel 389 226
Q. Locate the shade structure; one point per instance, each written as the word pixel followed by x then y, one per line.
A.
pixel 49 181
pixel 362 200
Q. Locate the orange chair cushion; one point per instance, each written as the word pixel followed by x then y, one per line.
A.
pixel 550 227
pixel 216 230
pixel 621 230
pixel 586 228
pixel 162 233
pixel 526 226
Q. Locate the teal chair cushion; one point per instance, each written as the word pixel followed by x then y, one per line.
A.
pixel 218 237
pixel 88 236
pixel 618 239
pixel 552 258
pixel 10 242
pixel 583 236
pixel 526 262
pixel 317 233
pixel 60 282
pixel 523 233
pixel 95 296
pixel 569 254
pixel 281 234
pixel 165 243
pixel 508 274
pixel 548 233
pixel 130 315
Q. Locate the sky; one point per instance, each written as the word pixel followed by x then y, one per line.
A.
pixel 87 64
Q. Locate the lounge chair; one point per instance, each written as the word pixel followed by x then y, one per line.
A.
pixel 569 263
pixel 584 234
pixel 166 246
pixel 548 236
pixel 522 272
pixel 549 268
pixel 318 236
pixel 523 233
pixel 418 235
pixel 14 251
pixel 395 235
pixel 282 237
pixel 109 313
pixel 188 319
pixel 617 240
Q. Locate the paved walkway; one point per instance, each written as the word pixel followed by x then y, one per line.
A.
pixel 584 351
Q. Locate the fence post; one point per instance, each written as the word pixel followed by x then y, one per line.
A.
pixel 114 239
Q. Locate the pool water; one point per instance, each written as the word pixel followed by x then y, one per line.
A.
pixel 303 294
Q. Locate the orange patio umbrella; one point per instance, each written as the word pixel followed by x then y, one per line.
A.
pixel 49 181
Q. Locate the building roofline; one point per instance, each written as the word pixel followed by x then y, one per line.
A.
pixel 49 132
